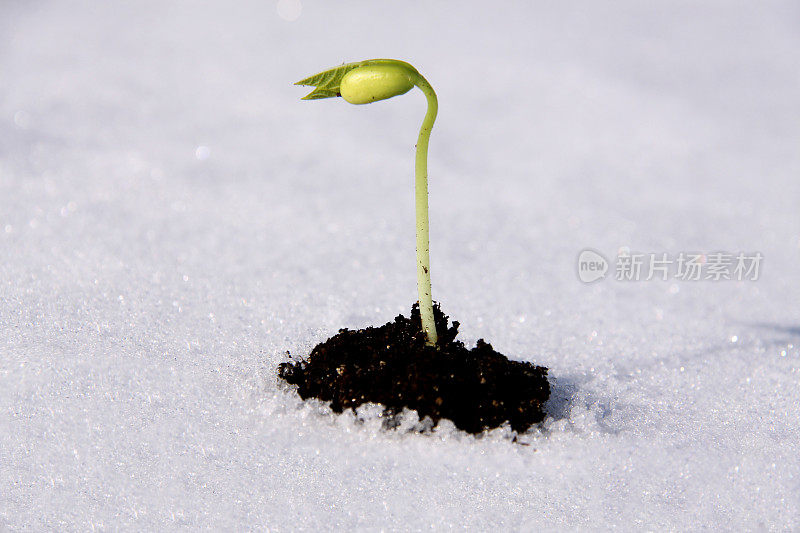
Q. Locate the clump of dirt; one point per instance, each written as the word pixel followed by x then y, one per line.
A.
pixel 477 389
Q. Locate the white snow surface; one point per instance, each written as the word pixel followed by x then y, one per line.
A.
pixel 173 219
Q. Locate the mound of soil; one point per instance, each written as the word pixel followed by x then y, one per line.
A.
pixel 477 389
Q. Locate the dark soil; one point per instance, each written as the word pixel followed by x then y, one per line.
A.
pixel 477 389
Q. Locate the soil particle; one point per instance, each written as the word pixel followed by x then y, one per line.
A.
pixel 476 389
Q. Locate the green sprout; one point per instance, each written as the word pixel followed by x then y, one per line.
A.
pixel 368 81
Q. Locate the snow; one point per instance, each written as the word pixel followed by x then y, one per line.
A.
pixel 173 219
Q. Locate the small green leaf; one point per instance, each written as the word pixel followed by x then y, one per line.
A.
pixel 326 83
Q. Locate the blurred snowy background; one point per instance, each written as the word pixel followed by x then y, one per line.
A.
pixel 173 219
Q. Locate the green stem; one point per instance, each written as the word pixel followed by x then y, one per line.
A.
pixel 421 194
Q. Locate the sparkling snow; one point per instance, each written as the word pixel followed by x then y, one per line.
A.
pixel 173 219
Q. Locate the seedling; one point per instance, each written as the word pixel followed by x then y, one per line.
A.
pixel 368 81
pixel 476 388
